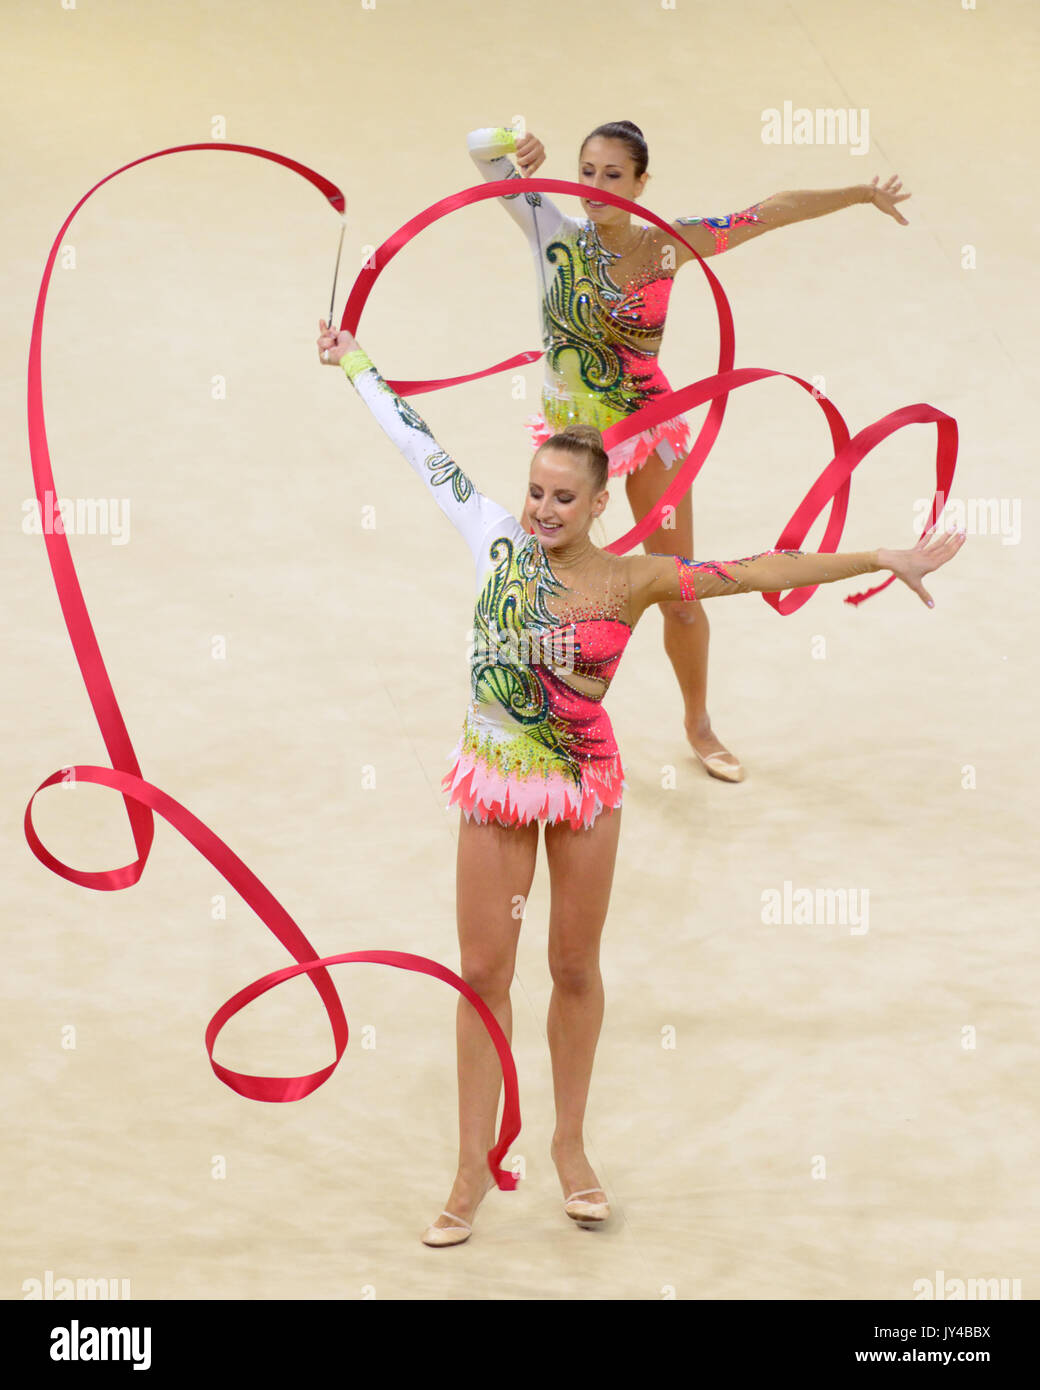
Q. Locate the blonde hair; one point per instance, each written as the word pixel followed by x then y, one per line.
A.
pixel 582 441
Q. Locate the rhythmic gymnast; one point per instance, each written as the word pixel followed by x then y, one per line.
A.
pixel 605 287
pixel 553 615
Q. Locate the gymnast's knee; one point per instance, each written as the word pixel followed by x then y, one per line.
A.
pixel 487 977
pixel 684 614
pixel 575 974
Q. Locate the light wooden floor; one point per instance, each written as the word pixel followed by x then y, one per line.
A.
pixel 821 1127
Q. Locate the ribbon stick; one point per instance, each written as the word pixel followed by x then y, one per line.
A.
pixel 335 273
pixel 831 486
pixel 141 798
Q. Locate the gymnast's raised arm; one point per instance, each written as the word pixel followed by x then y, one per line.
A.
pixel 489 148
pixel 469 511
pixel 667 578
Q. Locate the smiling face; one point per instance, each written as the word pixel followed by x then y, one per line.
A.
pixel 608 164
pixel 562 500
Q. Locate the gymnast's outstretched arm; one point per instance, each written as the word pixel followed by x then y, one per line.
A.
pixel 471 513
pixel 711 235
pixel 667 578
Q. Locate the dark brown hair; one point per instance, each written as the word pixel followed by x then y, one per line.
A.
pixel 585 442
pixel 632 137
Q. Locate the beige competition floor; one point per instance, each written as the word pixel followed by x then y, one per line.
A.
pixel 792 1111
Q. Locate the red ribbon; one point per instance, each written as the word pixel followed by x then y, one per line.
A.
pixel 142 798
pixel 831 486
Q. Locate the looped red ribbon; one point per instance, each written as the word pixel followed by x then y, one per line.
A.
pixel 831 486
pixel 141 798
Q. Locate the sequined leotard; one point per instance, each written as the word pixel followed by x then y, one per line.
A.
pixel 601 339
pixel 536 744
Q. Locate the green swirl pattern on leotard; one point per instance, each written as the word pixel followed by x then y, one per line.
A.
pixel 514 599
pixel 576 321
pixel 599 339
pixel 443 468
pixel 410 417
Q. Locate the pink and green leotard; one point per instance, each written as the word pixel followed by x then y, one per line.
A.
pixel 536 742
pixel 601 337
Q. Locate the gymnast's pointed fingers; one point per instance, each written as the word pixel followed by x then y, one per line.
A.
pixel 925 538
pixel 950 544
pixel 943 549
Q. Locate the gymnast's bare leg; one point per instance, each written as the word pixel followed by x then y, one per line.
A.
pixel 685 624
pixel 581 870
pixel 495 867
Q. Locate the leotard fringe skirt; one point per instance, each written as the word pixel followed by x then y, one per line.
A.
pixel 516 783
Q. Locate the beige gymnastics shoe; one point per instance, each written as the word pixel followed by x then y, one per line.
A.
pixel 447 1235
pixel 588 1213
pixel 715 765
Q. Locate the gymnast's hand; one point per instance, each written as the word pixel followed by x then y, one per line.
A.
pixel 928 554
pixel 886 197
pixel 332 345
pixel 530 153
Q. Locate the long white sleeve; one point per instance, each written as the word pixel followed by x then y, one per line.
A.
pixel 538 217
pixel 472 514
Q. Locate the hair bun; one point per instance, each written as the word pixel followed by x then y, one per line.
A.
pixel 588 434
pixel 586 443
